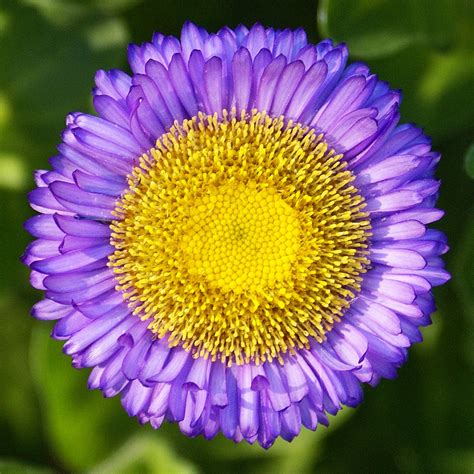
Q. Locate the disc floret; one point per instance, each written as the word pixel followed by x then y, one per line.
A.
pixel 241 237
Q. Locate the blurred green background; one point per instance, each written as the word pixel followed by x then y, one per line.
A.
pixel 50 422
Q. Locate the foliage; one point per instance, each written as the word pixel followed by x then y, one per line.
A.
pixel 423 422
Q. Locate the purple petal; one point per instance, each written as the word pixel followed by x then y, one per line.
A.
pixel 108 131
pixel 69 325
pixel 101 147
pixel 105 347
pixel 398 231
pixel 176 361
pixel 295 380
pixel 343 100
pixel 95 308
pixel 277 392
pixel 78 227
pixel 268 83
pixel 287 84
pixel 100 185
pixel 79 158
pixel 84 203
pixel 134 361
pixel 362 130
pixel 43 227
pixel 114 83
pixel 401 258
pixel 159 399
pixel 192 38
pixel 388 168
pixel 242 76
pixel 213 83
pixel 290 422
pixel 198 375
pixel 70 243
pixel 249 402
pixel 309 418
pixel 345 351
pixel 49 310
pixel 301 104
pixel 256 40
pixel 184 89
pixel 95 330
pixel 229 415
pixel 72 260
pixel 217 384
pixel 42 248
pixel 155 360
pixel 135 397
pixel 270 424
pixel 261 61
pixel 36 280
pixel 111 110
pixel 423 215
pixel 159 75
pixel 112 380
pixel 378 314
pixel 408 310
pixel 81 295
pixel 65 282
pixel 42 200
pixel 147 123
pixel 196 72
pixel 177 399
pixel 395 201
pixel 397 290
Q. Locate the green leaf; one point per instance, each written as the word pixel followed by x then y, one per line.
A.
pixel 19 407
pixel 9 466
pixel 469 161
pixel 464 279
pixel 145 453
pixel 50 73
pixel 427 52
pixel 12 172
pixel 305 450
pixel 438 89
pixel 459 461
pixel 363 25
pixel 68 12
pixel 81 426
pixel 378 28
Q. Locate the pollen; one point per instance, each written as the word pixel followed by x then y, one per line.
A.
pixel 240 237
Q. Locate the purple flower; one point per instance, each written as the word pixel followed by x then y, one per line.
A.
pixel 238 240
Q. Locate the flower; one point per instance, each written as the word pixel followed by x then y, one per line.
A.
pixel 238 240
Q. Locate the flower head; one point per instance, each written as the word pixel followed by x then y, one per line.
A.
pixel 238 240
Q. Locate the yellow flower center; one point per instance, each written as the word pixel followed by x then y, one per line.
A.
pixel 240 237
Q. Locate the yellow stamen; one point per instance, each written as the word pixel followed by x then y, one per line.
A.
pixel 240 237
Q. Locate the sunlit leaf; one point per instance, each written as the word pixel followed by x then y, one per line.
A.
pixel 8 466
pixel 459 461
pixel 67 12
pixel 82 427
pixel 427 52
pixel 145 453
pixel 12 172
pixel 50 73
pixel 464 279
pixel 18 413
pixel 378 28
pixel 469 161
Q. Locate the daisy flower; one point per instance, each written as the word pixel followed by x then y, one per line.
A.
pixel 238 240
